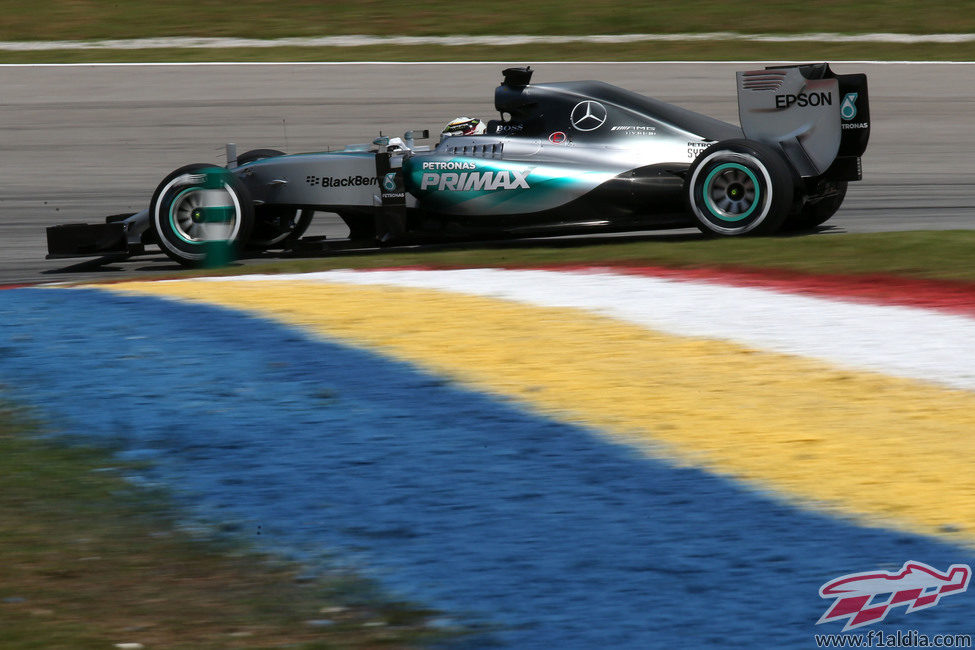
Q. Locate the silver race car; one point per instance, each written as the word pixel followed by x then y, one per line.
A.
pixel 566 158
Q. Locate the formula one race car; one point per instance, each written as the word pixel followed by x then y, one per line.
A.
pixel 564 158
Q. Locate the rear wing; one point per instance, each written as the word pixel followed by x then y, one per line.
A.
pixel 820 119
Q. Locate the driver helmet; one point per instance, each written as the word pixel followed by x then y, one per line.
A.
pixel 464 126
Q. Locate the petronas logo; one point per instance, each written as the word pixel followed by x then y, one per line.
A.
pixel 848 109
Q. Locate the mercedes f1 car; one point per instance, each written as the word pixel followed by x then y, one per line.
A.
pixel 564 158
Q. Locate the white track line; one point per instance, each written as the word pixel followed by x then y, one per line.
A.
pixel 461 41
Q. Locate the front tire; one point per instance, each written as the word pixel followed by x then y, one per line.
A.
pixel 200 214
pixel 740 187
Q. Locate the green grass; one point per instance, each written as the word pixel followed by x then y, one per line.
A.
pixel 95 19
pixel 87 561
pixel 689 51
pixel 89 19
pixel 936 255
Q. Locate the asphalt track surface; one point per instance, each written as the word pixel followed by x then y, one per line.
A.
pixel 81 142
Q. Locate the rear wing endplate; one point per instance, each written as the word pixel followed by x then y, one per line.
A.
pixel 815 115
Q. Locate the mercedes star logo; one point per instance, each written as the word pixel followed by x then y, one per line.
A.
pixel 588 115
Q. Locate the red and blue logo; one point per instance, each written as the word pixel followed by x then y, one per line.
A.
pixel 866 598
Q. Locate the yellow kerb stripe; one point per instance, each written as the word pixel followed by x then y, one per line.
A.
pixel 890 451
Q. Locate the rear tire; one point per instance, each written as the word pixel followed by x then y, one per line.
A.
pixel 275 226
pixel 740 187
pixel 199 214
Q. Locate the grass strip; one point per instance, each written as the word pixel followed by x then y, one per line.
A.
pixel 92 19
pixel 87 560
pixel 644 51
pixel 931 254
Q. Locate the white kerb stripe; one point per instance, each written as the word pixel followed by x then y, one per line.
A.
pixel 902 341
pixel 365 40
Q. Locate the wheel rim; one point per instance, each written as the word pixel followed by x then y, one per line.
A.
pixel 731 192
pixel 199 215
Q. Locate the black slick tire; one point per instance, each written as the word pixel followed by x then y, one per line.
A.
pixel 739 187
pixel 200 214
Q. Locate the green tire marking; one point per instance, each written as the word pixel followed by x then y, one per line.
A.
pixel 216 214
